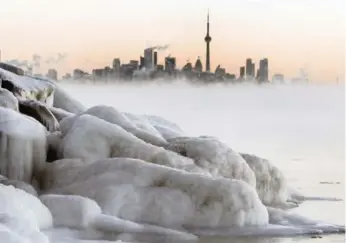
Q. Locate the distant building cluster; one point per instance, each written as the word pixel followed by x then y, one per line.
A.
pixel 249 72
pixel 148 68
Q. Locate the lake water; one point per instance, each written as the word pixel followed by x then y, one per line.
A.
pixel 299 128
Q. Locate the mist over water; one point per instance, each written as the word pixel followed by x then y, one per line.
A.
pixel 299 128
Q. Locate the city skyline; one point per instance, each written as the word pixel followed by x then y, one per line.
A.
pixel 291 35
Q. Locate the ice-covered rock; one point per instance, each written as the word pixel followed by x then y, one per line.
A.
pixel 39 112
pixel 66 102
pixel 214 156
pixel 142 123
pixel 71 211
pixel 8 100
pixel 203 155
pixel 27 88
pixel 167 129
pixel 143 192
pixel 113 116
pixel 110 140
pixel 20 185
pixel 60 113
pixel 22 146
pixel 271 184
pixel 22 216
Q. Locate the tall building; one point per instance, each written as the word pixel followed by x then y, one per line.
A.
pixel 198 65
pixel 155 58
pixel 253 70
pixel 187 67
pixel 248 68
pixel 78 74
pixel 242 72
pixel 207 40
pixel 141 62
pixel 134 63
pixel 170 63
pixel 116 64
pixel 263 75
pixel 148 58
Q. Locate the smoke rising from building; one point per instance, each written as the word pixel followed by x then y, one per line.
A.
pixel 37 60
pixel 159 47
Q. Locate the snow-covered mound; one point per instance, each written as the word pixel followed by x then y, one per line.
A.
pixel 206 155
pixel 64 101
pixel 19 185
pixel 71 210
pixel 166 128
pixel 214 156
pixel 142 192
pixel 22 216
pixel 110 140
pixel 109 114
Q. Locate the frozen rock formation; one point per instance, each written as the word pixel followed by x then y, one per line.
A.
pixel 166 128
pixel 22 146
pixel 142 192
pixel 19 185
pixel 22 216
pixel 71 210
pixel 110 140
pixel 8 100
pixel 66 102
pixel 271 184
pixel 214 156
pixel 113 116
pixel 60 113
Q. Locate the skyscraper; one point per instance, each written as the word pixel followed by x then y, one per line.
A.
pixel 149 58
pixel 155 58
pixel 170 64
pixel 248 66
pixel 263 70
pixel 253 70
pixel 116 65
pixel 198 65
pixel 207 40
pixel 242 72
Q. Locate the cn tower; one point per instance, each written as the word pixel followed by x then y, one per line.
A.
pixel 207 40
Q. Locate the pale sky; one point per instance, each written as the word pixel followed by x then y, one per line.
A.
pixel 292 34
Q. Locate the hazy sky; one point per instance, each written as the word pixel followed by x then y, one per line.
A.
pixel 292 33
